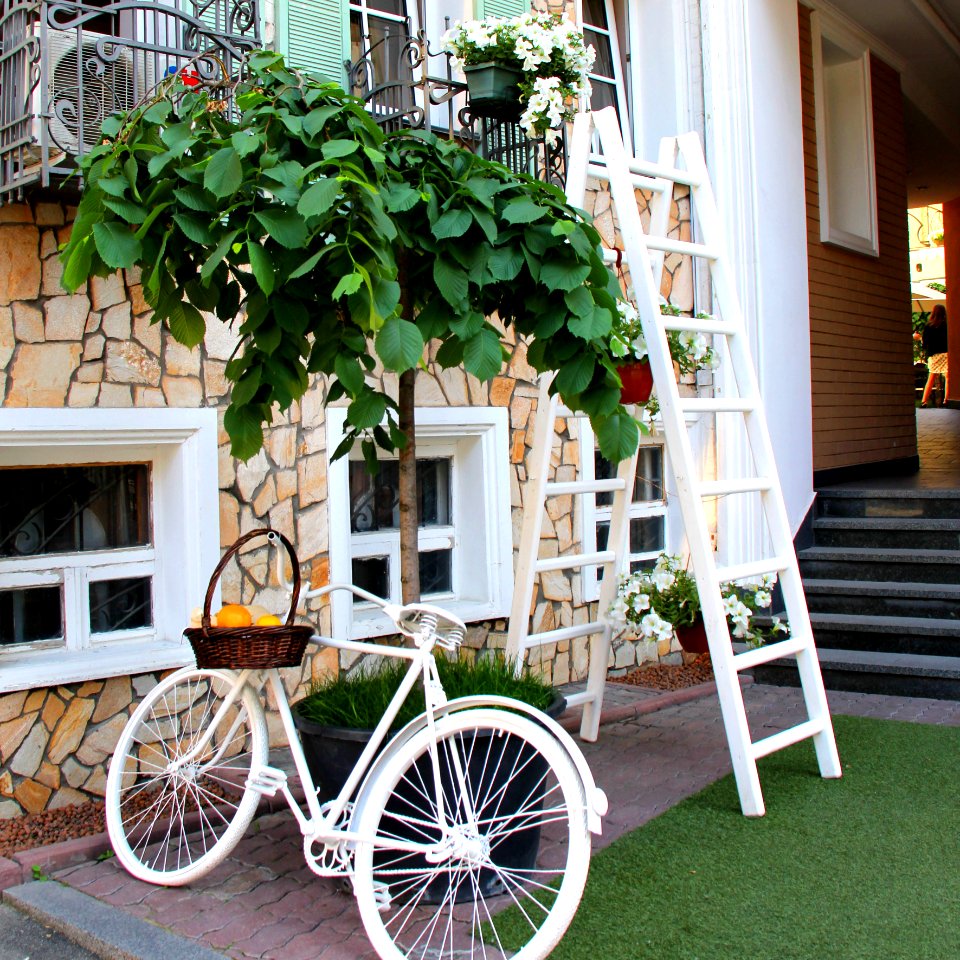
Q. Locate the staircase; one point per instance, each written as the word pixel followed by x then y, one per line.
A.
pixel 883 588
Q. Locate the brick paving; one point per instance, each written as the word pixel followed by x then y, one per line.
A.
pixel 263 903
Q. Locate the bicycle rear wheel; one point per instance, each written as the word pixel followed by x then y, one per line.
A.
pixel 171 820
pixel 508 878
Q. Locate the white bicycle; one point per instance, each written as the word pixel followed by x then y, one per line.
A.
pixel 428 829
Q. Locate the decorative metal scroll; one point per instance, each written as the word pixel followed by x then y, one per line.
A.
pixel 65 66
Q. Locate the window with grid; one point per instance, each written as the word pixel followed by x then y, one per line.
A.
pixel 465 546
pixel 108 533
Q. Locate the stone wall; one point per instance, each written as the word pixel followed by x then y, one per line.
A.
pixel 97 347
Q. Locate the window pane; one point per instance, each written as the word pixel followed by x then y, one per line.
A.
pixel 70 509
pixel 374 502
pixel 120 604
pixel 646 534
pixel 649 479
pixel 435 571
pixel 373 575
pixel 595 13
pixel 30 614
pixel 649 482
pixel 603 65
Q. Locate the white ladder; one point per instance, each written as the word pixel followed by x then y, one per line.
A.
pixel 537 488
pixel 644 255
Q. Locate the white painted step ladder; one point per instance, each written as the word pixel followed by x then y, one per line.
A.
pixel 644 256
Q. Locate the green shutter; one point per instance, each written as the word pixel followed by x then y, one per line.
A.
pixel 315 35
pixel 501 8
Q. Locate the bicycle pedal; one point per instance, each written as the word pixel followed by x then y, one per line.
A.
pixel 267 781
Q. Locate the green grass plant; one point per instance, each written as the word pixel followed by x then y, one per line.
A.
pixel 358 700
pixel 862 868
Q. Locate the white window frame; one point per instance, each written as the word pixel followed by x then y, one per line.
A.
pixel 617 58
pixel 836 159
pixel 477 438
pixel 181 448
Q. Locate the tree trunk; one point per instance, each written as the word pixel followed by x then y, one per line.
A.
pixel 409 519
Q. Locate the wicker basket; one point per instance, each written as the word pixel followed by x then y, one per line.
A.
pixel 253 647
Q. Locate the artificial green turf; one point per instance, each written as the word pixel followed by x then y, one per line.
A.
pixel 862 868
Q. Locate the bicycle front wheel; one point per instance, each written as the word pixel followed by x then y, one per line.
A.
pixel 503 870
pixel 177 803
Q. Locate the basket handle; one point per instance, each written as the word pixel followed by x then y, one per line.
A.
pixel 225 559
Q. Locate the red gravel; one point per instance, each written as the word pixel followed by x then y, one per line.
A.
pixel 51 826
pixel 668 676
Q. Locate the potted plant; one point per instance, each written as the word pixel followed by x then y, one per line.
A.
pixel 688 350
pixel 660 602
pixel 532 68
pixel 336 720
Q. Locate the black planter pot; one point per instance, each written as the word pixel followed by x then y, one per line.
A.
pixel 332 753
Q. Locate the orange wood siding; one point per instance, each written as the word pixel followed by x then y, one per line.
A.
pixel 860 332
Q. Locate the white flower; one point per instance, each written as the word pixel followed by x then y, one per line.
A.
pixel 618 611
pixel 639 602
pixel 639 346
pixel 763 598
pixel 663 579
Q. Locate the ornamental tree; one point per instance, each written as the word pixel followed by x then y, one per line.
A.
pixel 331 245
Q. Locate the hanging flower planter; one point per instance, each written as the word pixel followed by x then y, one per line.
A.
pixel 493 89
pixel 637 380
pixel 693 638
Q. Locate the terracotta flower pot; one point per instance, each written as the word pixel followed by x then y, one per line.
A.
pixel 637 380
pixel 693 638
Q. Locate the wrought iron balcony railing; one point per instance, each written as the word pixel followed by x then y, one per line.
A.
pixel 65 66
pixel 396 76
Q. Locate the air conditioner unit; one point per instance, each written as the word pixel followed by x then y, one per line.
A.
pixel 84 86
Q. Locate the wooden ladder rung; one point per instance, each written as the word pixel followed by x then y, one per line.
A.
pixel 698 325
pixel 802 731
pixel 570 560
pixel 718 404
pixel 753 568
pixel 684 247
pixel 644 168
pixel 722 488
pixel 558 489
pixel 563 633
pixel 772 651
pixel 575 699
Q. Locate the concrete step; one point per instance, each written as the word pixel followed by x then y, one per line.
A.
pixel 883 598
pixel 887 532
pixel 871 563
pixel 846 502
pixel 926 636
pixel 895 674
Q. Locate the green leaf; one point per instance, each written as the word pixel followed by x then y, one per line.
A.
pixel 563 274
pixel 351 283
pixel 178 137
pixel 112 125
pixel 156 113
pixel 246 143
pixel 451 281
pixel 450 353
pixel 186 323
pixel 386 295
pixel 314 121
pixel 618 436
pixel 129 211
pixel 575 375
pixel 335 149
pixel 454 223
pixel 579 302
pixel 596 325
pixel 224 173
pixel 286 226
pixel 77 267
pixel 319 197
pixel 399 197
pixel 245 429
pixel 219 252
pixel 262 266
pixel 505 263
pixel 483 355
pixel 367 410
pixel 245 388
pixel 195 198
pixel 563 228
pixel 399 344
pixel 117 246
pixel 115 186
pixel 522 211
pixel 307 265
pixel 349 372
pixel 468 325
pixel 193 228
